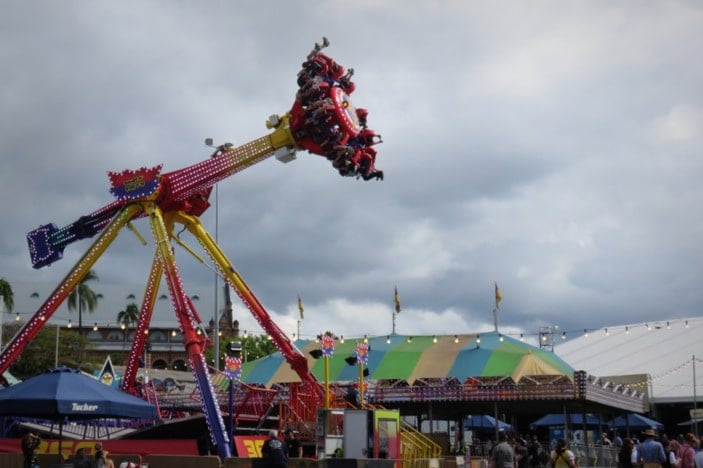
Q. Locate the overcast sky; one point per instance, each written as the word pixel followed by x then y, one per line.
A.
pixel 551 147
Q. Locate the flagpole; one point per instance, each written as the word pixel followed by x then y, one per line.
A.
pixel 301 311
pixel 498 298
pixel 396 306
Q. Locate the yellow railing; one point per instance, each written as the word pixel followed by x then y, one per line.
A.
pixel 414 444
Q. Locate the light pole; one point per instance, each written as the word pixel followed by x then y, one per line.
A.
pixel 233 370
pixel 216 330
pixel 147 348
pixel 56 357
pixel 695 397
pixel 362 358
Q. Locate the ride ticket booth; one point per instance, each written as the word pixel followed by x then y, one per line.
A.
pixel 348 433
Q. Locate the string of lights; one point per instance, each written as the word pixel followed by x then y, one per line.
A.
pixel 542 336
pixel 666 374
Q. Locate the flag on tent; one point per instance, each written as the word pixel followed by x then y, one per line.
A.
pixel 396 301
pixel 233 368
pixel 301 309
pixel 499 296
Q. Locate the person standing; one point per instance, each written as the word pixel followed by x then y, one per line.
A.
pixel 698 459
pixel 687 451
pixel 101 457
pixel 671 450
pixel 617 440
pixel 30 442
pixel 503 455
pixel 533 452
pixel 293 446
pixel 650 453
pixel 522 457
pixel 626 454
pixel 562 457
pixel 274 451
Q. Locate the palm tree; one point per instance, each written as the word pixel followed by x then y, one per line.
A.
pixel 6 293
pixel 82 297
pixel 128 317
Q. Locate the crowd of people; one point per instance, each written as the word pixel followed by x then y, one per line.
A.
pixel 325 122
pixel 516 452
pixel 651 451
pixel 510 451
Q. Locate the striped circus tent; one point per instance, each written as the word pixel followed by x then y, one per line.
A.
pixel 402 357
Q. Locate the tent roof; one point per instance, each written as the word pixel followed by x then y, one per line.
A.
pixel 64 392
pixel 557 419
pixel 636 421
pixel 419 357
pixel 484 421
pixel 663 352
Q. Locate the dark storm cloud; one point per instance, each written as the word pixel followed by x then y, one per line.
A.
pixel 552 149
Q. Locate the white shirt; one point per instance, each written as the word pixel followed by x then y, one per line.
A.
pixel 699 459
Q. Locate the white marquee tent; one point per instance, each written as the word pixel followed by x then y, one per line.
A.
pixel 669 353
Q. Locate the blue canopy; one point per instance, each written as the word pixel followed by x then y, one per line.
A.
pixel 483 421
pixel 66 393
pixel 575 420
pixel 635 421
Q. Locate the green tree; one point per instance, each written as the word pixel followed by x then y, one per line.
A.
pixel 6 293
pixel 129 316
pixel 82 297
pixel 257 346
pixel 40 355
pixel 253 347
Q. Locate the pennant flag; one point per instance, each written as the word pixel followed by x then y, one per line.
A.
pixel 233 367
pixel 499 296
pixel 327 345
pixel 396 300
pixel 107 374
pixel 301 309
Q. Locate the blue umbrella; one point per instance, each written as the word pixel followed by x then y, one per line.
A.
pixel 635 421
pixel 483 421
pixel 66 393
pixel 557 419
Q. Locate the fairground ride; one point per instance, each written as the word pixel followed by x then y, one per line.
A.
pixel 322 121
